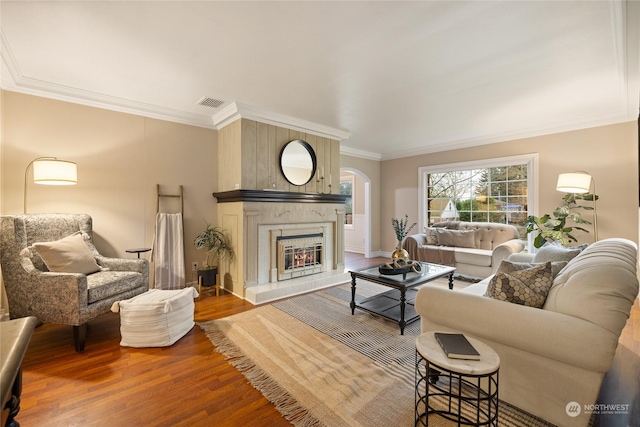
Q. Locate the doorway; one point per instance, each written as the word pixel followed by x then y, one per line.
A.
pixel 357 230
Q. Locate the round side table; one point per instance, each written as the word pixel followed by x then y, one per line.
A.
pixel 463 391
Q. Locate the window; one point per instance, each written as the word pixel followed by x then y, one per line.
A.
pixel 494 190
pixel 346 189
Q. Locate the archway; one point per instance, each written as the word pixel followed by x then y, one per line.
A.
pixel 367 207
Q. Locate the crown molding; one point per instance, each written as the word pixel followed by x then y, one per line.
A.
pixel 31 86
pixel 369 155
pixel 237 110
pixel 570 126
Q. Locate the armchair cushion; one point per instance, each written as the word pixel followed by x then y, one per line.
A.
pixel 68 255
pixel 106 284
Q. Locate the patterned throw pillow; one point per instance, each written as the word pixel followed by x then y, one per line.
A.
pixel 525 287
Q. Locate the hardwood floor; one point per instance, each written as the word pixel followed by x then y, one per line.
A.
pixel 187 384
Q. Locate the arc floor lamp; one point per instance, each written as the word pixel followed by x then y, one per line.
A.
pixel 50 171
pixel 580 183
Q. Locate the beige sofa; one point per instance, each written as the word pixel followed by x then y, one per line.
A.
pixel 557 354
pixel 474 248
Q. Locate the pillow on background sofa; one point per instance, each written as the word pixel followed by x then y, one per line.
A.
pixel 432 237
pixel 456 238
pixel 528 287
pixel 556 252
pixel 68 255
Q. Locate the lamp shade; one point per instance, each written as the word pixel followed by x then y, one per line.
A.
pixel 55 172
pixel 574 182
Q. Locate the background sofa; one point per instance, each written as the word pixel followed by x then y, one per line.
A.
pixel 65 297
pixel 557 354
pixel 474 248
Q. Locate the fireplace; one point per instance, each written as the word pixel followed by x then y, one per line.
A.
pixel 299 255
pixel 267 224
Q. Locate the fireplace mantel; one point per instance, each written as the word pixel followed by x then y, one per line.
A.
pixel 277 197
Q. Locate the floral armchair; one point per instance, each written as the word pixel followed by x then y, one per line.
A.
pixel 49 273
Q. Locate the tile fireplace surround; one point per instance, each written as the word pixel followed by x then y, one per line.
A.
pixel 255 220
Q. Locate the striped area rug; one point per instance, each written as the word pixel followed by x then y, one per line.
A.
pixel 322 366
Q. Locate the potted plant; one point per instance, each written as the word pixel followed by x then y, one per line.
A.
pixel 401 230
pixel 216 242
pixel 556 229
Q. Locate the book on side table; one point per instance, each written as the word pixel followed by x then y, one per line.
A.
pixel 456 346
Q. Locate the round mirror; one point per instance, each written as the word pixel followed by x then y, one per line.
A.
pixel 298 162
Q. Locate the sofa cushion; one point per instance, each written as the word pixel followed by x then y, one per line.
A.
pixel 599 285
pixel 68 255
pixel 556 252
pixel 509 266
pixel 527 287
pixel 456 238
pixel 473 256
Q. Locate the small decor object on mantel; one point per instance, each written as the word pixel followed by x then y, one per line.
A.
pixel 400 227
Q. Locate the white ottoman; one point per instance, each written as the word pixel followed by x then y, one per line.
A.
pixel 157 318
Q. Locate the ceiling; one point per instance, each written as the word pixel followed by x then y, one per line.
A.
pixel 396 78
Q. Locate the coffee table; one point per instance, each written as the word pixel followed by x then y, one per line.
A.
pixel 396 304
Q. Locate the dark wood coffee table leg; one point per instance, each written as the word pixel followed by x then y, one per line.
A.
pixel 451 280
pixel 402 323
pixel 353 294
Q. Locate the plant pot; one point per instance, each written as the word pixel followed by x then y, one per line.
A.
pixel 208 276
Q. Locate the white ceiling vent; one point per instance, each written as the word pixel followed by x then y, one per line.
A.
pixel 210 102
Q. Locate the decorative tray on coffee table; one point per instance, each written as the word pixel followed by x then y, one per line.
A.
pixel 400 266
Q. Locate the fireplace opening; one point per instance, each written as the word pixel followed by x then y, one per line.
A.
pixel 299 255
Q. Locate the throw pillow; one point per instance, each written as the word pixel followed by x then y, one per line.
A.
pixel 556 252
pixel 509 267
pixel 456 238
pixel 528 287
pixel 432 238
pixel 68 255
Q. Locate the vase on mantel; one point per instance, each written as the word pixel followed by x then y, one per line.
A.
pixel 400 253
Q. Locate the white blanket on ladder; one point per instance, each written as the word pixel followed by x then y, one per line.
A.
pixel 169 252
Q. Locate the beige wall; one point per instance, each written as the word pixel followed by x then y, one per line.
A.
pixel 608 153
pixel 121 157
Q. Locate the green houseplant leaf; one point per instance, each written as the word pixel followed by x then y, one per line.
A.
pixel 216 242
pixel 555 229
